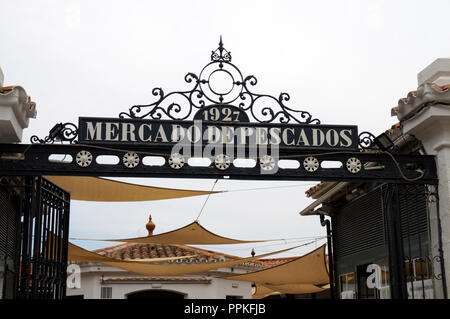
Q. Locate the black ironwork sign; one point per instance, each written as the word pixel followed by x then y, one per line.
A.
pixel 163 132
pixel 220 109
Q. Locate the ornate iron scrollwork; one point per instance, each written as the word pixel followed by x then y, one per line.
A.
pixel 220 83
pixel 66 132
pixel 366 140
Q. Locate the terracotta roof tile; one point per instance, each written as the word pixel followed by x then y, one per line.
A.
pixel 144 251
pixel 267 263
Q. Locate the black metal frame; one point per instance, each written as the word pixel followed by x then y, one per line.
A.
pixel 45 235
pixel 43 269
pixel 34 160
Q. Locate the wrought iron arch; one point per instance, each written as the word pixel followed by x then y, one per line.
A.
pixel 262 108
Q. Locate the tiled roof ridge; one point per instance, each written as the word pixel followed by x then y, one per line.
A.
pixel 414 101
pixel 164 249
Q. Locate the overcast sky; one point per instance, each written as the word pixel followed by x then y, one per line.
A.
pixel 345 62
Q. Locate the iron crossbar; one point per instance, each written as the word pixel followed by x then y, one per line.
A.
pixel 33 159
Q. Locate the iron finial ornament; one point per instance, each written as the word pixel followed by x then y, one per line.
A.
pixel 221 54
pixel 220 83
pixel 66 132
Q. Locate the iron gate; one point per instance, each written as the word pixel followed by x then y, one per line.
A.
pixel 45 234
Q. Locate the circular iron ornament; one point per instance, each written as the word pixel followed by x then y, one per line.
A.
pixel 222 162
pixel 353 165
pixel 130 160
pixel 176 161
pixel 267 163
pixel 221 82
pixel 311 164
pixel 220 75
pixel 83 158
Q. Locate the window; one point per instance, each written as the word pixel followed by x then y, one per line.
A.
pixel 106 293
pixel 416 269
pixel 420 284
pixel 347 285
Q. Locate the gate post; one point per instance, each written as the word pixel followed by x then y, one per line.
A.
pixel 327 223
pixel 395 244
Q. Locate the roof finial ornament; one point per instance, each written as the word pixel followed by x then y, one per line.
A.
pixel 221 54
pixel 150 226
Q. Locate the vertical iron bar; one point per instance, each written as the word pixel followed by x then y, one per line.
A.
pixel 421 266
pixel 395 244
pixel 37 209
pixel 326 223
pixel 441 252
pixel 410 257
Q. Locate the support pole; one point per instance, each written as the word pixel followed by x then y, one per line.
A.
pixel 326 223
pixel 395 244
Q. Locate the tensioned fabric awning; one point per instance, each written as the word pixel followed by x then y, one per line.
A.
pixel 98 189
pixel 261 291
pixel 269 290
pixel 192 234
pixel 78 254
pixel 308 269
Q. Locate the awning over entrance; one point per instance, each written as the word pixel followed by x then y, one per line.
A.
pixel 98 189
pixel 192 234
pixel 308 269
pixel 78 254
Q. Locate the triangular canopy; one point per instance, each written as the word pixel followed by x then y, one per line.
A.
pixel 263 291
pixel 98 189
pixel 192 234
pixel 308 269
pixel 77 253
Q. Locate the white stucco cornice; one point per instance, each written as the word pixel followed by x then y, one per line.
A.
pixel 16 109
pixel 427 95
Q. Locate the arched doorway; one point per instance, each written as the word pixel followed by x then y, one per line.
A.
pixel 155 294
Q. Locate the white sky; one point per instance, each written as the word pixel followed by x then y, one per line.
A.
pixel 346 62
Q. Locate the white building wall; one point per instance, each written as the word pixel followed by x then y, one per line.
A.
pixel 91 285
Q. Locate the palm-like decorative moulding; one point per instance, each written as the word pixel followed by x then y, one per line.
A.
pixel 222 162
pixel 311 164
pixel 130 160
pixel 353 165
pixel 83 158
pixel 176 161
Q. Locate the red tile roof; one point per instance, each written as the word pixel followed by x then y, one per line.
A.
pixel 144 251
pixel 162 279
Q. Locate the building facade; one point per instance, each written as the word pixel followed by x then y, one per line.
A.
pixel 100 281
pixel 393 238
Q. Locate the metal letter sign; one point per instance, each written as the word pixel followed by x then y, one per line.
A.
pixel 219 119
pixel 159 132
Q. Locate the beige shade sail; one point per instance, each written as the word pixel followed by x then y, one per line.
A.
pixel 296 288
pixel 308 269
pixel 98 189
pixel 263 291
pixel 192 234
pixel 78 254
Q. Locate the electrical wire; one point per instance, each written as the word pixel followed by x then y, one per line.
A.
pixel 207 198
